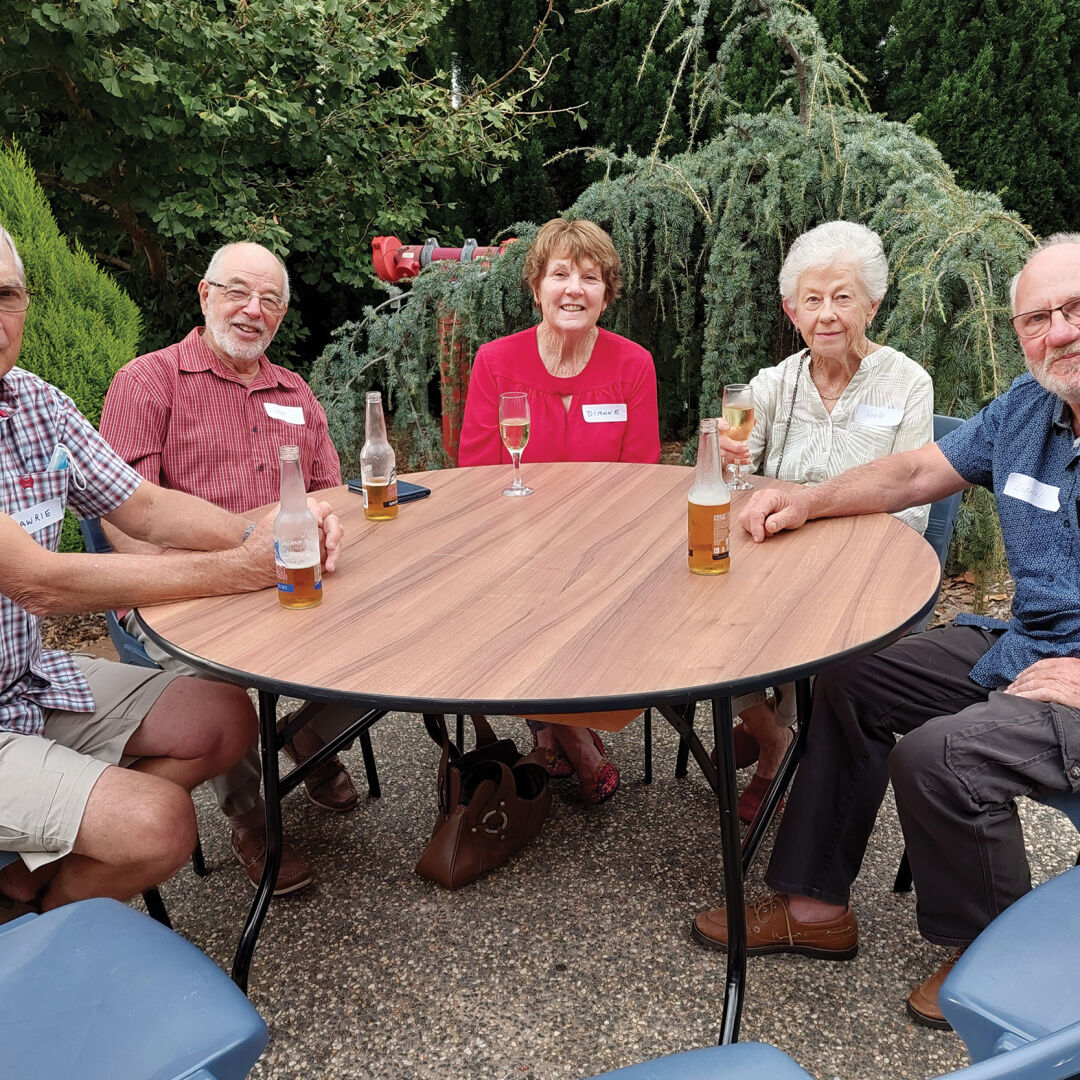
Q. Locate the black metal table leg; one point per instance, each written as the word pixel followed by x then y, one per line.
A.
pixel 268 750
pixel 763 819
pixel 727 802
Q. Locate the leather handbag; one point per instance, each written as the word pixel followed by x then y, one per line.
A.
pixel 492 802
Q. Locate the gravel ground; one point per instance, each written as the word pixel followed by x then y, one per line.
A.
pixel 575 958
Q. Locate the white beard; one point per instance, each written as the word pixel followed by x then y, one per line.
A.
pixel 230 342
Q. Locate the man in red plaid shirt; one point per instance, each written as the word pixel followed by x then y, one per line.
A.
pixel 82 826
pixel 207 416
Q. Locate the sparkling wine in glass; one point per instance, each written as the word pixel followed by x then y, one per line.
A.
pixel 514 432
pixel 738 411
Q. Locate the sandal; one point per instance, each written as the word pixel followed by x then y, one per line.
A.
pixel 555 763
pixel 606 781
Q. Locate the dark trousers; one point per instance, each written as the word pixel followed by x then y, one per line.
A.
pixel 967 753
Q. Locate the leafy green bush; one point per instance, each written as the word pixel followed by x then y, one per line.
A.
pixel 81 326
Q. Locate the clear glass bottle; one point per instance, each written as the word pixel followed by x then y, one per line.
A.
pixel 296 538
pixel 378 469
pixel 708 509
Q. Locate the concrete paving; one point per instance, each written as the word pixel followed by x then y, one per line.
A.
pixel 574 959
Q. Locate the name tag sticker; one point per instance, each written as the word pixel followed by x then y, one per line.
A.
pixel 604 414
pixel 40 516
pixel 291 414
pixel 1030 490
pixel 878 415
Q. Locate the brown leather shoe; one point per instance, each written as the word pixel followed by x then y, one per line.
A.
pixel 250 851
pixel 770 928
pixel 330 785
pixel 922 1002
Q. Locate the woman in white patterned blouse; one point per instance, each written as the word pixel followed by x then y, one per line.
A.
pixel 840 402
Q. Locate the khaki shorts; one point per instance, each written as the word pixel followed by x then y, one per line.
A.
pixel 45 781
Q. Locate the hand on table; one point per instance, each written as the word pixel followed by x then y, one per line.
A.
pixel 1056 679
pixel 331 533
pixel 768 511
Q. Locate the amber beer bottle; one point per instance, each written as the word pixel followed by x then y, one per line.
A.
pixel 378 470
pixel 296 538
pixel 708 508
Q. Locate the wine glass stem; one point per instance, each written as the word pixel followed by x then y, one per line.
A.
pixel 517 470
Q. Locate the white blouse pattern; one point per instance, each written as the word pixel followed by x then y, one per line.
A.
pixel 888 407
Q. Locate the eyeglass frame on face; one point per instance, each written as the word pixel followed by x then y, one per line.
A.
pixel 5 305
pixel 1072 318
pixel 242 296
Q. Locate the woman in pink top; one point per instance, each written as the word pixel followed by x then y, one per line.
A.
pixel 592 397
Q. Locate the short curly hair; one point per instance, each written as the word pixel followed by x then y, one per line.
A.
pixel 832 242
pixel 580 240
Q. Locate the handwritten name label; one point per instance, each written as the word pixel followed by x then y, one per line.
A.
pixel 291 414
pixel 40 516
pixel 878 415
pixel 1030 490
pixel 604 414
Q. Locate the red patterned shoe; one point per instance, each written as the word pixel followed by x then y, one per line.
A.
pixel 606 781
pixel 555 763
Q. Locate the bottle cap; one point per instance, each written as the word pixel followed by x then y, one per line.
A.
pixel 373 395
pixel 708 425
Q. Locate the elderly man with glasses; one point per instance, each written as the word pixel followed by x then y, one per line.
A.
pixel 82 826
pixel 988 710
pixel 207 416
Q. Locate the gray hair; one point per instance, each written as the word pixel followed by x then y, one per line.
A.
pixel 833 242
pixel 214 269
pixel 1049 242
pixel 7 242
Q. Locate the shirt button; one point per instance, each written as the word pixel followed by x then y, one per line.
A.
pixel 254 429
pixel 1074 772
pixel 260 468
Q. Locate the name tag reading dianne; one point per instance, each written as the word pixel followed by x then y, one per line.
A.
pixel 40 516
pixel 878 415
pixel 604 414
pixel 1030 490
pixel 291 414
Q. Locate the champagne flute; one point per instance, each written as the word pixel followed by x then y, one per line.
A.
pixel 514 432
pixel 738 411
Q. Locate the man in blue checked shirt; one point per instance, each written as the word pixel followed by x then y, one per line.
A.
pixel 83 826
pixel 989 710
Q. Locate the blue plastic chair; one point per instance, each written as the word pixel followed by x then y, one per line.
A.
pixel 1020 979
pixel 943 513
pixel 96 989
pixel 128 647
pixel 1053 1057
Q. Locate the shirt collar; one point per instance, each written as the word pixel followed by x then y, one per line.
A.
pixel 9 393
pixel 196 355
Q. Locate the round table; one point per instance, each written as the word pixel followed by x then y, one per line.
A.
pixel 577 597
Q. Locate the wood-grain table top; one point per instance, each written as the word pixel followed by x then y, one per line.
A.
pixel 576 597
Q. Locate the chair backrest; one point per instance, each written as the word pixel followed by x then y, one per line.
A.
pixel 128 647
pixel 97 989
pixel 1020 979
pixel 1053 1057
pixel 943 513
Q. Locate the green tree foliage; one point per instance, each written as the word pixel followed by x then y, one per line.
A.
pixel 81 326
pixel 599 69
pixel 702 235
pixel 996 86
pixel 163 127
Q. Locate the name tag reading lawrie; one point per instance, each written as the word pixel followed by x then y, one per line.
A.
pixel 1030 490
pixel 291 414
pixel 40 516
pixel 604 414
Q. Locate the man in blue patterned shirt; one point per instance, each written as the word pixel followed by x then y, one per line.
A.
pixel 82 826
pixel 988 711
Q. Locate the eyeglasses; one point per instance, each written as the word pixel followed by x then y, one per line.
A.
pixel 14 298
pixel 237 294
pixel 1036 324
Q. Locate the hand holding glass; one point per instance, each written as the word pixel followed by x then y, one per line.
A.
pixel 738 411
pixel 514 432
